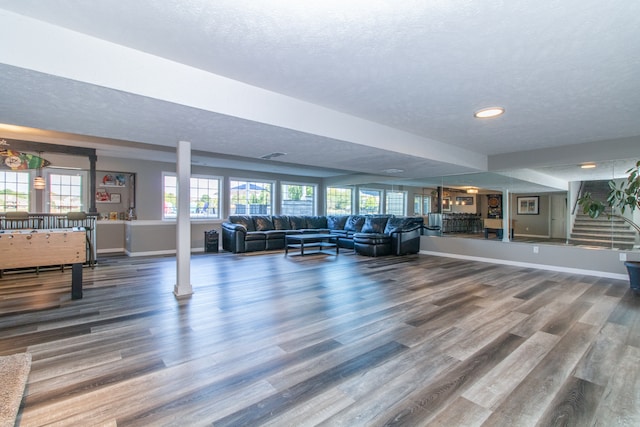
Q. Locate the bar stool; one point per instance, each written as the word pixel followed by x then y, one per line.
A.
pixel 81 219
pixel 19 220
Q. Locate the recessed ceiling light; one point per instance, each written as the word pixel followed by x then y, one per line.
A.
pixel 487 113
pixel 588 165
pixel 472 190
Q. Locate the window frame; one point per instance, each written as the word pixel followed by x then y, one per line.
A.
pixel 351 199
pixel 29 192
pixel 361 192
pixel 249 181
pixel 218 214
pixel 84 189
pixel 314 205
pixel 192 217
pixel 423 198
pixel 405 196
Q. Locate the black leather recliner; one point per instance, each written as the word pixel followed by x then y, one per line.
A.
pixel 384 236
pixel 241 235
pixel 372 239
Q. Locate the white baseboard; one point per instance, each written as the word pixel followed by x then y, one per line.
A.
pixel 111 251
pixel 157 253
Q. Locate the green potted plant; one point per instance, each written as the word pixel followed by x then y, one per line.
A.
pixel 623 196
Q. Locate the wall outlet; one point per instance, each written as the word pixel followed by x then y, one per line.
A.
pixel 623 256
pixel 536 249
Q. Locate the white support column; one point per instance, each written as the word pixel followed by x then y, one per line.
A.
pixel 506 217
pixel 183 223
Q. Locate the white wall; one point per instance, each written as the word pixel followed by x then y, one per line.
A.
pixel 572 259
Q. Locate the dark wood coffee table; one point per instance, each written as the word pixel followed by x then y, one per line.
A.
pixel 306 241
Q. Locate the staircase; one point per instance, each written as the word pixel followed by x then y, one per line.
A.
pixel 603 231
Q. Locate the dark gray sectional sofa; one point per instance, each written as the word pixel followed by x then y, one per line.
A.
pixel 371 235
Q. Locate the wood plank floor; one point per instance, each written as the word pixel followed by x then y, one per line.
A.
pixel 324 340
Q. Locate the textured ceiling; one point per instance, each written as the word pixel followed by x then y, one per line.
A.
pixel 566 72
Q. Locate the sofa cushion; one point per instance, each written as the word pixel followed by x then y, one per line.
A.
pixel 341 233
pixel 354 223
pixel 275 234
pixel 255 235
pixel 413 222
pixel 281 222
pixel 395 225
pixel 336 222
pixel 317 222
pixel 298 222
pixel 263 223
pixel 244 220
pixel 374 224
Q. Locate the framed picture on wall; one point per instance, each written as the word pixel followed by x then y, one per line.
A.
pixel 529 205
pixel 446 204
pixel 103 196
pixel 464 200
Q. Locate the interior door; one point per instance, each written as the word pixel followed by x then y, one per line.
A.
pixel 558 216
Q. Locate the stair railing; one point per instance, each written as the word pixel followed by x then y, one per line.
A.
pixel 575 204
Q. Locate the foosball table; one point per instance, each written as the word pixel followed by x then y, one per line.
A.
pixel 38 248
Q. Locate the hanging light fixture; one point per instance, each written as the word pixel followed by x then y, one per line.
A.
pixel 39 182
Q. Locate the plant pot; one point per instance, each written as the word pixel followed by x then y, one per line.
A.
pixel 633 268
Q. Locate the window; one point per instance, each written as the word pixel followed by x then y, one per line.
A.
pixel 421 205
pixel 14 191
pixel 204 197
pixel 250 197
pixel 370 202
pixel 65 192
pixel 170 196
pixel 396 203
pixel 339 200
pixel 298 199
